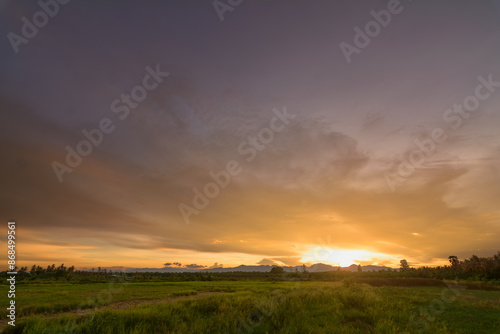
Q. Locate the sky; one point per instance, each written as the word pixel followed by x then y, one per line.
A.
pixel 243 132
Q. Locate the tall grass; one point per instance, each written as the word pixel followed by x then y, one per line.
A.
pixel 309 307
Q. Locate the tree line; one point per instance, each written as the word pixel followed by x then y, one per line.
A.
pixel 474 268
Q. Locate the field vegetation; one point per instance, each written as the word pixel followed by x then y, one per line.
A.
pixel 449 299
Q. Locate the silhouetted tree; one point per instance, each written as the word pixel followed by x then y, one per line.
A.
pixel 404 265
pixel 277 270
pixel 453 261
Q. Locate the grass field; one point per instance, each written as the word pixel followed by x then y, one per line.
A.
pixel 252 307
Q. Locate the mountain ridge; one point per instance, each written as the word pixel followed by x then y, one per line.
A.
pixel 317 267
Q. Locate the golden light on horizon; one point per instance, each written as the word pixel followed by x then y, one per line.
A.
pixel 344 257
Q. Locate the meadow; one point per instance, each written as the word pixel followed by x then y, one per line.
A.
pixel 252 306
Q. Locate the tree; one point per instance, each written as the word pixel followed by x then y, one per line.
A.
pixel 404 265
pixel 70 272
pixel 39 271
pixel 277 270
pixel 359 268
pixel 453 261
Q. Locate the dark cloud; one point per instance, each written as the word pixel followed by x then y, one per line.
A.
pixel 172 264
pixel 321 178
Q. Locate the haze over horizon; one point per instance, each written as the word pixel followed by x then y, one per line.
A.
pixel 188 174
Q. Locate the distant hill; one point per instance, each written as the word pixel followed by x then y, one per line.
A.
pixel 354 267
pixel 317 267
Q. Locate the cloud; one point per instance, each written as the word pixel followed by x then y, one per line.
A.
pixel 195 266
pixel 216 265
pixel 289 261
pixel 323 175
pixel 305 177
pixel 266 262
pixel 174 264
pixel 309 155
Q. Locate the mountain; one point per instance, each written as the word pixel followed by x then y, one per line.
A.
pixel 354 267
pixel 317 267
pixel 376 268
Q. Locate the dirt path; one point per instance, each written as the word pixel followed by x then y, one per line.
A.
pixel 136 302
pixel 115 306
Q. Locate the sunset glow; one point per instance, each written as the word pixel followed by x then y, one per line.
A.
pixel 346 257
pixel 239 166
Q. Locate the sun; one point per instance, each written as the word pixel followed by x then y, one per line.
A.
pixel 343 259
pixel 340 257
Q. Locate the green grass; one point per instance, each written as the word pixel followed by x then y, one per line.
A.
pixel 258 307
pixel 59 297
